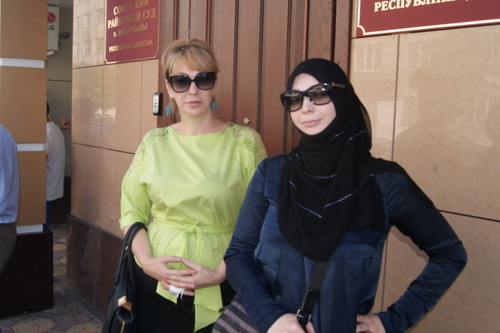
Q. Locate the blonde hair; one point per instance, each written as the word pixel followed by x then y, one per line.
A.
pixel 195 54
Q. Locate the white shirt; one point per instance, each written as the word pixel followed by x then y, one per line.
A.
pixel 55 162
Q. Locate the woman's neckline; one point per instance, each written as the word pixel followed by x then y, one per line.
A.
pixel 222 126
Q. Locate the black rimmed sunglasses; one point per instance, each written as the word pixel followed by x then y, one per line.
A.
pixel 318 94
pixel 203 80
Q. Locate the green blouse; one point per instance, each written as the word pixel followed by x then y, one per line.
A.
pixel 188 190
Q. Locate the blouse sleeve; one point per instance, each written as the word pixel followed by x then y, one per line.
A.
pixel 135 202
pixel 242 273
pixel 256 150
pixel 416 217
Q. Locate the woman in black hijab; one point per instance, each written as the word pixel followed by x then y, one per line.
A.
pixel 329 201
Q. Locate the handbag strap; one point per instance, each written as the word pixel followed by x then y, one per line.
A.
pixel 132 231
pixel 126 250
pixel 312 293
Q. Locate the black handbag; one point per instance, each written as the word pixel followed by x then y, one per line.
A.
pixel 120 313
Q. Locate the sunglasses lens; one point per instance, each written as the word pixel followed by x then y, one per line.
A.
pixel 180 83
pixel 292 100
pixel 205 80
pixel 319 94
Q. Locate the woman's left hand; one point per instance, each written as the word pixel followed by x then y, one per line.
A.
pixel 370 323
pixel 202 277
pixel 289 323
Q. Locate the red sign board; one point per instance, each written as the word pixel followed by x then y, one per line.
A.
pixel 379 17
pixel 131 30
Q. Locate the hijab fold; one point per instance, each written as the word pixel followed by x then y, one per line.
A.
pixel 324 189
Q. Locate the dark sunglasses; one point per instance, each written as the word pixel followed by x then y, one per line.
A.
pixel 203 80
pixel 318 94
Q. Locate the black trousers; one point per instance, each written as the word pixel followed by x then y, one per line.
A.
pixel 8 238
pixel 155 314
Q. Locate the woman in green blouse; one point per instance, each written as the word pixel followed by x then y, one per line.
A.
pixel 186 183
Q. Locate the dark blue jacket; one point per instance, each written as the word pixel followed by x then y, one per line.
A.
pixel 270 277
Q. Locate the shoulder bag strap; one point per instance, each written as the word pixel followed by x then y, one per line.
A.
pixel 126 250
pixel 312 293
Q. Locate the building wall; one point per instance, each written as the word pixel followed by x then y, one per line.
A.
pixel 433 98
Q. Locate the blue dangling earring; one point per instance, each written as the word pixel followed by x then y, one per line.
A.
pixel 168 109
pixel 213 104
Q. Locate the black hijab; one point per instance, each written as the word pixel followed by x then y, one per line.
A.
pixel 324 188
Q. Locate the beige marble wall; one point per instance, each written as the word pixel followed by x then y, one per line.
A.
pixel 374 73
pixel 433 98
pixel 112 104
pixel 86 182
pixel 96 182
pixel 447 132
pixel 87 106
pixel 127 88
pixel 112 110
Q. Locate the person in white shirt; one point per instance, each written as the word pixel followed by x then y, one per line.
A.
pixel 55 164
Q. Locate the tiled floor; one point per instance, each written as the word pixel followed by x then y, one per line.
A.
pixel 71 313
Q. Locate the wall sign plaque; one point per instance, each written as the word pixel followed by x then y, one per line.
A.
pixel 380 17
pixel 131 30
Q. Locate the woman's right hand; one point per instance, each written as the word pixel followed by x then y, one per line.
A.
pixel 289 323
pixel 158 269
pixel 155 267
